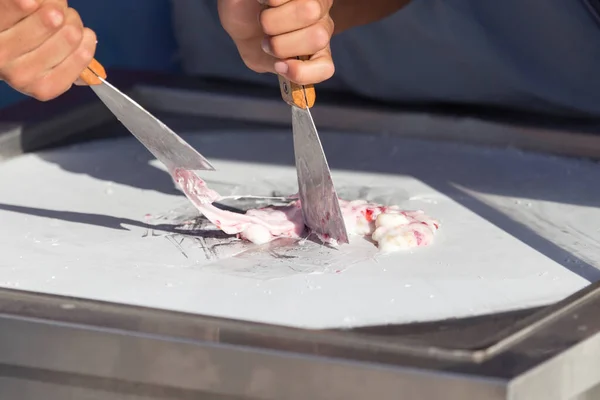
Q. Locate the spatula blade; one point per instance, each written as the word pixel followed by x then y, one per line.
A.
pixel 319 200
pixel 162 142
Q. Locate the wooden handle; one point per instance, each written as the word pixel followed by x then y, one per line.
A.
pixel 92 72
pixel 297 95
pixel 294 94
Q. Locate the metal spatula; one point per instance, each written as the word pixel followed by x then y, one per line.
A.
pixel 162 142
pixel 319 200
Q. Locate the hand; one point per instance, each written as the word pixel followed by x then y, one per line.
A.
pixel 44 46
pixel 270 39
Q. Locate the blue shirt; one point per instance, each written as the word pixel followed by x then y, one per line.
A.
pixel 537 55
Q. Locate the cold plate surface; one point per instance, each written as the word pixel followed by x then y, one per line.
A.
pixel 103 221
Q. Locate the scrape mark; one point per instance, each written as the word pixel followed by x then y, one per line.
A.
pixel 171 239
pixel 208 253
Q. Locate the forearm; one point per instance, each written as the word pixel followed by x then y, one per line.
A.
pixel 348 14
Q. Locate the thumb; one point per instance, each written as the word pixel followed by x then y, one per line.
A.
pixel 315 70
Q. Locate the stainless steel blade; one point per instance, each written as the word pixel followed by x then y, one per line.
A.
pixel 162 142
pixel 320 204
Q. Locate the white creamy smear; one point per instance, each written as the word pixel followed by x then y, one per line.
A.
pixel 390 227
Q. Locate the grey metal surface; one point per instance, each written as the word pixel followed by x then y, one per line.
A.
pixel 161 141
pixel 318 197
pixel 9 140
pixel 552 355
pixel 540 136
pixel 571 372
pixel 193 366
pixel 119 349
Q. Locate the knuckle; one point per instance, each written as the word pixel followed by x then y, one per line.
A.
pixel 48 15
pixel 331 25
pixel 73 17
pixel 72 13
pixel 72 34
pixel 320 37
pixel 91 35
pixel 26 6
pixel 85 53
pixel 310 10
pixel 266 22
pixel 19 80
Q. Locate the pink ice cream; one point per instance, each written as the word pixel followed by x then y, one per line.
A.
pixel 389 226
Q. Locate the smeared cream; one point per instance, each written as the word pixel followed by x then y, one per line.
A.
pixel 390 227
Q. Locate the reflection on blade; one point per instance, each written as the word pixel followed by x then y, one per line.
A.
pixel 318 197
pixel 161 141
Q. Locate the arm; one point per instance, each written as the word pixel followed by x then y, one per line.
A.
pixel 352 13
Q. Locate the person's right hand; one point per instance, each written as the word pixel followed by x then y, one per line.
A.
pixel 269 40
pixel 44 46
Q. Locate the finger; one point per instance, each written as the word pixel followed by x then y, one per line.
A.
pixel 31 32
pixel 293 15
pixel 54 51
pixel 254 58
pixel 319 68
pixel 302 42
pixel 60 79
pixel 13 11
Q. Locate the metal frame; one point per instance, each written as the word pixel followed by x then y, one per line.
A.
pixel 65 346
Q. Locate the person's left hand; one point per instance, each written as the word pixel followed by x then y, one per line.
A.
pixel 270 38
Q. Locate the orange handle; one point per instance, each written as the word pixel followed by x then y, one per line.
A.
pixel 302 96
pixel 92 72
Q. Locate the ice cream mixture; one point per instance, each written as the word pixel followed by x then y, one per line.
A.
pixel 390 227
